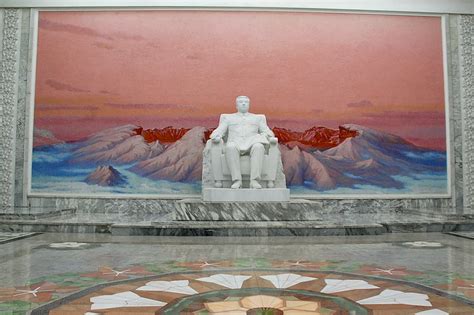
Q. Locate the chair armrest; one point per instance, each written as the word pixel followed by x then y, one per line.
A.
pixel 273 140
pixel 219 146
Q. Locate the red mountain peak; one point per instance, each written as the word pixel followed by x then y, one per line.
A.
pixel 167 134
pixel 320 138
pixel 138 131
pixel 345 133
pixel 286 135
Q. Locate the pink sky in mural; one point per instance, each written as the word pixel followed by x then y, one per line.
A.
pixel 183 68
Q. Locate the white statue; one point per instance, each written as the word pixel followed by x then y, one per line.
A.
pixel 242 152
pixel 247 134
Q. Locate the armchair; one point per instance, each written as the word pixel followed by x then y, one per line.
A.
pixel 221 172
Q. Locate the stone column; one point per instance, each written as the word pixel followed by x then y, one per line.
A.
pixel 9 68
pixel 455 115
pixel 466 36
pixel 24 104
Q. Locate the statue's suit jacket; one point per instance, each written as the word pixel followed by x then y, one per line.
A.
pixel 243 129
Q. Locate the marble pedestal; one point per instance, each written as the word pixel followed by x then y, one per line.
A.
pixel 246 195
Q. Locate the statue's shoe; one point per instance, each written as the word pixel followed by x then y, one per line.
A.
pixel 236 184
pixel 255 185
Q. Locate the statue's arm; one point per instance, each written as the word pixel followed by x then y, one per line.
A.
pixel 220 131
pixel 264 129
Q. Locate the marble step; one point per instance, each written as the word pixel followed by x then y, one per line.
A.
pixel 213 228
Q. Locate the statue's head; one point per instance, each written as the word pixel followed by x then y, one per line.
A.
pixel 242 103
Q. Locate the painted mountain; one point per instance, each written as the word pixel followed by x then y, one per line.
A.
pixel 352 159
pixel 105 175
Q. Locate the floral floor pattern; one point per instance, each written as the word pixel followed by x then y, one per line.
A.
pixel 246 286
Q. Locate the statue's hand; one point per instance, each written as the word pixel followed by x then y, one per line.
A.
pixel 273 140
pixel 216 139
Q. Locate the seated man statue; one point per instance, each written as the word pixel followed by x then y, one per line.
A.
pixel 247 133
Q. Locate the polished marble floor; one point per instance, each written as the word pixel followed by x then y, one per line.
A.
pixel 430 273
pixel 6 237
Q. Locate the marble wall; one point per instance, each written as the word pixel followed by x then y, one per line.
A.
pixel 17 27
pixel 466 50
pixel 10 30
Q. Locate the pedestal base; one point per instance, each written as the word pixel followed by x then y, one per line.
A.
pixel 246 194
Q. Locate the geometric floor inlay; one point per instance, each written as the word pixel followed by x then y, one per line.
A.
pixel 122 300
pixel 241 286
pixel 233 288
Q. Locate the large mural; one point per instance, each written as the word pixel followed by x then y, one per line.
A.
pixel 125 100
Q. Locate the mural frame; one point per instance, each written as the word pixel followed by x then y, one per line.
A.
pixel 34 19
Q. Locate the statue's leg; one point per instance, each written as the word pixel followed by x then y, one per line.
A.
pixel 256 161
pixel 232 156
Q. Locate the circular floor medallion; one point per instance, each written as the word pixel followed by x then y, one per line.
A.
pixel 271 291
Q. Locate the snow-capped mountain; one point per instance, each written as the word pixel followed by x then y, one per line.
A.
pixel 120 145
pixel 44 137
pixel 374 157
pixel 106 175
pixel 301 167
pixel 377 149
pixel 318 158
pixel 181 161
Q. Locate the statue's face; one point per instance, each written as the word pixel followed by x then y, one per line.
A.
pixel 242 104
